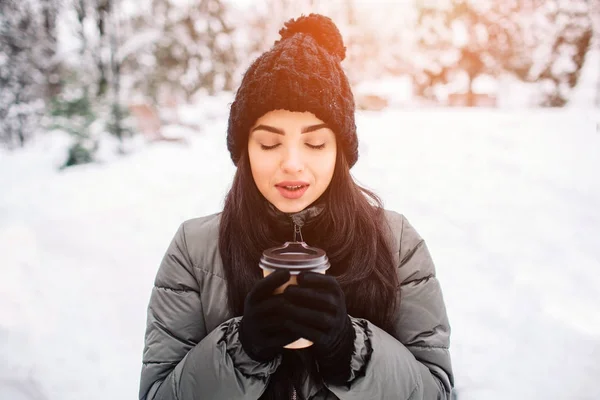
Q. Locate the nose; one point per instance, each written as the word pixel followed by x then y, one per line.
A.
pixel 292 161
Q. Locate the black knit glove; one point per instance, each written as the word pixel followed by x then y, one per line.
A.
pixel 317 312
pixel 261 332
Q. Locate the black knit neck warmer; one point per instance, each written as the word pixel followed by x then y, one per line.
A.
pixel 288 220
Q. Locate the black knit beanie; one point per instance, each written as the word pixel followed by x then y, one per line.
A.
pixel 301 72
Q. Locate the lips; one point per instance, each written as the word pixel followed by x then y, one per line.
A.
pixel 292 189
pixel 291 184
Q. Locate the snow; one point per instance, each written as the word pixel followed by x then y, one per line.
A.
pixel 398 91
pixel 507 201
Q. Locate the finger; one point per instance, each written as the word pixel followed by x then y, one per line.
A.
pixel 270 307
pixel 309 298
pixel 304 331
pixel 276 333
pixel 274 328
pixel 305 316
pixel 266 286
pixel 318 281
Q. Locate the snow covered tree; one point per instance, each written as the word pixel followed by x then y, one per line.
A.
pixel 89 104
pixel 535 40
pixel 468 38
pixel 364 46
pixel 187 48
pixel 73 109
pixel 27 46
pixel 564 41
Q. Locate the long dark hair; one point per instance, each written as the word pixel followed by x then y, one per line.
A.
pixel 351 229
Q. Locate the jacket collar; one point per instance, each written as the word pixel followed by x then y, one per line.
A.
pixel 299 218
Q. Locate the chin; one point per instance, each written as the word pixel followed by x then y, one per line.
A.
pixel 289 208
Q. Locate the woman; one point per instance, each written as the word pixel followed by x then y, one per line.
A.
pixel 377 318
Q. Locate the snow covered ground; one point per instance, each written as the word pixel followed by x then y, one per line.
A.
pixel 507 201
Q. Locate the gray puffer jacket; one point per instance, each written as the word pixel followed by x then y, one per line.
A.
pixel 192 349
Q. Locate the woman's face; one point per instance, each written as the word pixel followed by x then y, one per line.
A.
pixel 296 149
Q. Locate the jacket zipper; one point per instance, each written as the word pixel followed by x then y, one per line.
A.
pixel 294 393
pixel 297 234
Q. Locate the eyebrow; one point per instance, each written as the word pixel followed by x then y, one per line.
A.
pixel 278 131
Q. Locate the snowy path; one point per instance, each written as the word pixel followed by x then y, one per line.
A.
pixel 508 203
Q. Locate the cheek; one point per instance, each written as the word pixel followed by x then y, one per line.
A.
pixel 326 166
pixel 262 170
pixel 255 164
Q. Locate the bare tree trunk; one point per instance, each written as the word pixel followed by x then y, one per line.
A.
pixel 21 127
pixel 81 10
pixel 470 94
pixel 50 10
pixel 115 67
pixel 595 16
pixel 351 39
pixel 102 14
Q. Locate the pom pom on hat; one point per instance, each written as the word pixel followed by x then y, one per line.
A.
pixel 321 28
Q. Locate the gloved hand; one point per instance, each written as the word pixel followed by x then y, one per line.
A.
pixel 261 332
pixel 317 312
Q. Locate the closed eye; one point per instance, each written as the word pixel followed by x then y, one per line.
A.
pixel 316 147
pixel 262 146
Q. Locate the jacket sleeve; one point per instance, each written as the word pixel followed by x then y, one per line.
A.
pixel 414 363
pixel 181 361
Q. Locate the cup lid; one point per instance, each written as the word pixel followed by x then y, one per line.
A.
pixel 294 255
